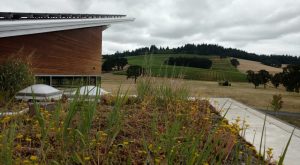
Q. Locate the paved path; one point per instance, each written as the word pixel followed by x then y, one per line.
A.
pixel 277 132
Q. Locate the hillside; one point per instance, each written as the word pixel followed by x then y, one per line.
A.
pixel 256 66
pixel 217 50
pixel 221 68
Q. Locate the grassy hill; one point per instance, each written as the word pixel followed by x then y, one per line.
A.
pixel 221 68
pixel 256 66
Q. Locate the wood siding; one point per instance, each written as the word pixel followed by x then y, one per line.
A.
pixel 69 52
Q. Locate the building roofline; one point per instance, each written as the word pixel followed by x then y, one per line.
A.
pixel 34 16
pixel 9 28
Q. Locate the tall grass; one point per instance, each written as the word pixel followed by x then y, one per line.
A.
pixel 6 153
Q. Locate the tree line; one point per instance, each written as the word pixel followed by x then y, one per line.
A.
pixel 190 62
pixel 114 63
pixel 213 49
pixel 289 78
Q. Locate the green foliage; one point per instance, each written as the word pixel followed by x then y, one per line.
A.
pixel 276 79
pixel 6 152
pixel 112 63
pixel 291 78
pixel 277 102
pixel 264 77
pixel 134 71
pixel 250 75
pixel 144 87
pixel 235 62
pixel 15 74
pixel 253 78
pixel 285 149
pixel 190 62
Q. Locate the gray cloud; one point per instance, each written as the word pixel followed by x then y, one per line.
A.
pixel 269 26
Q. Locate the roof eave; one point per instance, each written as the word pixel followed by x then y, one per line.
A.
pixel 17 28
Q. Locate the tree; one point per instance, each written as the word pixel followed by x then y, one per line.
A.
pixel 264 77
pixel 134 71
pixel 291 78
pixel 108 65
pixel 112 62
pixel 276 79
pixel 235 62
pixel 250 75
pixel 276 103
pixel 256 80
pixel 153 49
pixel 120 63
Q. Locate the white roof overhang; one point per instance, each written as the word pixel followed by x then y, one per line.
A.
pixel 10 28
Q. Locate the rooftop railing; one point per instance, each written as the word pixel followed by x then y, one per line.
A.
pixel 33 16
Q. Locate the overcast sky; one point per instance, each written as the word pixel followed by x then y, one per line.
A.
pixel 259 26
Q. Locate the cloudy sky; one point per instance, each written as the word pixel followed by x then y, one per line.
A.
pixel 259 26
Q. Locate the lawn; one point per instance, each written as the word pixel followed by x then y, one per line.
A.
pixel 221 68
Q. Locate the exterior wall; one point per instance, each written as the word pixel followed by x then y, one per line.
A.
pixel 69 52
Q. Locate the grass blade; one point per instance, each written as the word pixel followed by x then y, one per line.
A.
pixel 286 148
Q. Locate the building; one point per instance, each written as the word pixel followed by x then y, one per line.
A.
pixel 60 47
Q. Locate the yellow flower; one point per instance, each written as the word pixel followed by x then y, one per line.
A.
pixel 38 135
pixel 28 139
pixel 19 136
pixel 87 158
pixel 270 151
pixel 5 119
pixel 26 161
pixel 33 158
pixel 157 160
pixel 125 143
pixel 150 146
pixel 142 152
pixel 18 146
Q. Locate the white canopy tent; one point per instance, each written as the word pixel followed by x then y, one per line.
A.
pixel 39 92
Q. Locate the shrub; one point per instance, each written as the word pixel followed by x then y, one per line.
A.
pixel 277 103
pixel 15 74
pixel 190 62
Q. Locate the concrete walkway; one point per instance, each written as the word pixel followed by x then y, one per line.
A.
pixel 277 131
